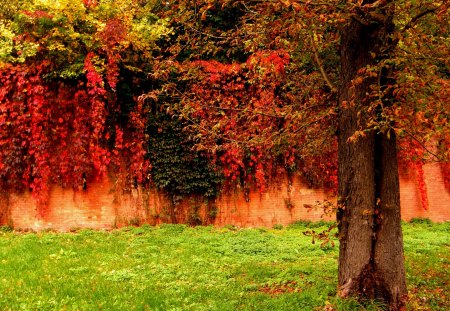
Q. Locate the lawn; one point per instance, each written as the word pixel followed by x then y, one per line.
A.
pixel 175 267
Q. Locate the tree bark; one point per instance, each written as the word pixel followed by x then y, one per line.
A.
pixel 371 244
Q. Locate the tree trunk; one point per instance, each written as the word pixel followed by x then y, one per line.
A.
pixel 371 244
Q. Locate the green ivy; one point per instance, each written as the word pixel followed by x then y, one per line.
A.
pixel 176 168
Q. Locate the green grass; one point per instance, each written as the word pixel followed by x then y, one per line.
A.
pixel 174 267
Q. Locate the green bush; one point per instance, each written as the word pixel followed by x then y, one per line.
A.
pixel 278 227
pixel 420 220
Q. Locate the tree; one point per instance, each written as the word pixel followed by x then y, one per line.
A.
pixel 371 245
pixel 272 102
pixel 371 252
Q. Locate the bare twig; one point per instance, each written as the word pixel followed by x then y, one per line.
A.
pixel 422 145
pixel 309 124
pixel 204 33
pixel 243 110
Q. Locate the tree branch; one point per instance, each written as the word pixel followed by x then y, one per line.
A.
pixel 411 24
pixel 319 63
pixel 414 20
pixel 422 145
pixel 243 110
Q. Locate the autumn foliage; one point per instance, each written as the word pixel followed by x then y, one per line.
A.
pixel 61 121
pixel 80 80
pixel 192 96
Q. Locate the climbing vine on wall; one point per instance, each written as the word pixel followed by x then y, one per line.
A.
pixel 60 64
pixel 229 96
pixel 176 168
pixel 239 115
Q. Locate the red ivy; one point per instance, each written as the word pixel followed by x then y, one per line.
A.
pixel 53 132
pixel 411 156
pixel 243 103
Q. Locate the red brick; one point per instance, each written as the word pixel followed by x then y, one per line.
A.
pixel 102 206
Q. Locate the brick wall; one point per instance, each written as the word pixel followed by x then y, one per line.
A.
pixel 438 196
pixel 103 207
